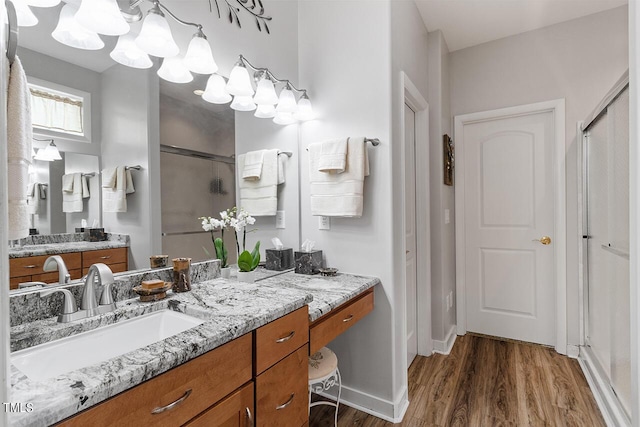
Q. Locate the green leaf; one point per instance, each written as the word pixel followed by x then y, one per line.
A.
pixel 255 255
pixel 221 251
pixel 245 261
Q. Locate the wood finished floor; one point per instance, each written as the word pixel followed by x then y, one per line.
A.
pixel 487 382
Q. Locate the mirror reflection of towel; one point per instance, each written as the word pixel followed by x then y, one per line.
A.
pixel 34 194
pixel 74 189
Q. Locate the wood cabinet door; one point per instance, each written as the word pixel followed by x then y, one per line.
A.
pixel 235 410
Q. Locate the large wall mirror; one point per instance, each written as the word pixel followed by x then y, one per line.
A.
pixel 186 147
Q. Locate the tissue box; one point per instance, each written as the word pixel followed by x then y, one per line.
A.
pixel 308 262
pixel 279 259
pixel 97 235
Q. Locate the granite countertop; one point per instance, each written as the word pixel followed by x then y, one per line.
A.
pixel 230 309
pixel 62 248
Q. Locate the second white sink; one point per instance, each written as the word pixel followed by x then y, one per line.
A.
pixel 89 348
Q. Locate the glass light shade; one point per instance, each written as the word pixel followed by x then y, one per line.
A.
pixel 25 16
pixel 103 17
pixel 70 33
pixel 173 70
pixel 305 111
pixel 239 83
pixel 265 93
pixel 43 3
pixel 243 103
pixel 215 91
pixel 287 102
pixel 199 58
pixel 128 53
pixel 49 153
pixel 284 119
pixel 265 111
pixel 155 37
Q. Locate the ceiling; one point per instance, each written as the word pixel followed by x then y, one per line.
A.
pixel 466 23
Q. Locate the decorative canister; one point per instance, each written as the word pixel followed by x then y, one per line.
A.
pixel 181 274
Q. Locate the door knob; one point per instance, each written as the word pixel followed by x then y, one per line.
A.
pixel 545 240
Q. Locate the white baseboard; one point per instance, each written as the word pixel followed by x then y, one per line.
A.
pixel 573 351
pixel 444 347
pixel 373 405
pixel 610 407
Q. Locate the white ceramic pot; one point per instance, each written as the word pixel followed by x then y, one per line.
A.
pixel 247 276
pixel 225 272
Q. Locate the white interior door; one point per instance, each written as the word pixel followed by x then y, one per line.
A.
pixel 410 231
pixel 508 204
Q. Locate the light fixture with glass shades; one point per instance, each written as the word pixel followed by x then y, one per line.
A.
pixel 174 70
pixel 128 53
pixel 24 15
pixel 69 32
pixel 215 91
pixel 102 17
pixel 284 109
pixel 49 153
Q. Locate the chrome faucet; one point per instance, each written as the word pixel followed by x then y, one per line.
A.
pixel 54 263
pixel 89 302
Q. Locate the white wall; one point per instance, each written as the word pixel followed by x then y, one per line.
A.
pixel 130 111
pixel 578 60
pixel 441 196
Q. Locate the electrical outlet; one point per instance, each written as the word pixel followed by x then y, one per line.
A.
pixel 447 302
pixel 450 299
pixel 324 223
pixel 447 216
pixel 280 219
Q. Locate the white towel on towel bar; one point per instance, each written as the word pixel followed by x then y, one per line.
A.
pixel 72 200
pixel 340 195
pixel 19 138
pixel 260 198
pixel 333 156
pixel 109 178
pixel 114 199
pixel 33 198
pixel 253 162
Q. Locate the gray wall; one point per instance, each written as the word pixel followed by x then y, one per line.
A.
pixel 578 60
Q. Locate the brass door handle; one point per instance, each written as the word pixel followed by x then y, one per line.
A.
pixel 545 240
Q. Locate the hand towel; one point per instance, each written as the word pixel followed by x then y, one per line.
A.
pixel 67 183
pixel 115 199
pixel 19 138
pixel 72 201
pixel 253 161
pixel 85 187
pixel 33 198
pixel 333 156
pixel 109 178
pixel 281 165
pixel 339 194
pixel 260 198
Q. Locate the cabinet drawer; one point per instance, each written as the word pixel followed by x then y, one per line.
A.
pixel 27 266
pixel 282 391
pixel 53 276
pixel 325 329
pixel 279 338
pixel 105 256
pixel 234 411
pixel 210 377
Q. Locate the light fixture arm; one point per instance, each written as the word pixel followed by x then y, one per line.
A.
pixel 178 20
pixel 270 75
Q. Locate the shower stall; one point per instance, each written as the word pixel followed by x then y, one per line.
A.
pixel 605 252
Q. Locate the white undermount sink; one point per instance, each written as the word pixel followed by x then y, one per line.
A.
pixel 89 348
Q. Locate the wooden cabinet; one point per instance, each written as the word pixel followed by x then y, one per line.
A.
pixel 334 323
pixel 177 396
pixel 29 269
pixel 280 338
pixel 235 410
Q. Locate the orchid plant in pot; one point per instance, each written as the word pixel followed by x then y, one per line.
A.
pixel 212 225
pixel 247 261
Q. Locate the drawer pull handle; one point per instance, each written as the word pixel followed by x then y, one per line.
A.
pixel 287 338
pixel 287 403
pixel 172 405
pixel 249 417
pixel 348 319
pixel 105 257
pixel 31 266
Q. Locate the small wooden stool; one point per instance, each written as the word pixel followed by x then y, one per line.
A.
pixel 324 374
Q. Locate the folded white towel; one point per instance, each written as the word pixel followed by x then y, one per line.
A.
pixel 67 183
pixel 339 194
pixel 260 198
pixel 19 138
pixel 115 199
pixel 333 156
pixel 85 187
pixel 33 198
pixel 72 201
pixel 281 165
pixel 109 178
pixel 253 161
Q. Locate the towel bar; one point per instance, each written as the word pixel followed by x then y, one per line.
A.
pixel 136 167
pixel 12 35
pixel 374 141
pixel 286 153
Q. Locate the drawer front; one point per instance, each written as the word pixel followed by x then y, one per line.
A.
pixel 53 276
pixel 282 391
pixel 325 329
pixel 105 256
pixel 234 411
pixel 27 266
pixel 279 338
pixel 210 377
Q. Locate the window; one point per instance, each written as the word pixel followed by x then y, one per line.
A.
pixel 56 111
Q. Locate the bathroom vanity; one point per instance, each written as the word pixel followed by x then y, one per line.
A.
pixel 245 362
